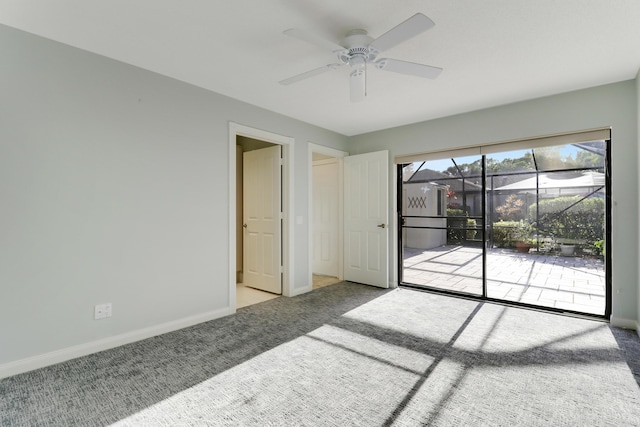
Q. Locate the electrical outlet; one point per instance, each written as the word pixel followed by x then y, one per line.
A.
pixel 102 311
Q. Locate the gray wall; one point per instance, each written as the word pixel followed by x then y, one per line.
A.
pixel 611 105
pixel 114 184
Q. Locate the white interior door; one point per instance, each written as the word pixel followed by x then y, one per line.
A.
pixel 262 207
pixel 366 223
pixel 325 217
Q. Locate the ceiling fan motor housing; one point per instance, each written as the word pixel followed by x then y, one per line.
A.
pixel 357 53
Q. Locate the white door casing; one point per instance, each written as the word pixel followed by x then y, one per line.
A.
pixel 262 201
pixel 325 217
pixel 366 222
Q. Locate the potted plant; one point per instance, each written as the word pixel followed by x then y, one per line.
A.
pixel 523 246
pixel 567 240
pixel 567 249
pixel 522 237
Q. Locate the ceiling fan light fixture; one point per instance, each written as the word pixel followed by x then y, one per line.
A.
pixel 358 62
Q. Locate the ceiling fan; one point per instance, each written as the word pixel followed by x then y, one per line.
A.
pixel 358 49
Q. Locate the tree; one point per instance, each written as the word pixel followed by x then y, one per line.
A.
pixel 588 159
pixel 511 165
pixel 547 158
pixel 512 209
pixel 474 169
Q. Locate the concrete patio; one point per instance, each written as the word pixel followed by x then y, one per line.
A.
pixel 565 282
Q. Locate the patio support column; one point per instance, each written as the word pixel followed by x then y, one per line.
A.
pixel 535 163
pixel 491 210
pixel 464 199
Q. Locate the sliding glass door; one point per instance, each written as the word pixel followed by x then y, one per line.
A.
pixel 442 233
pixel 529 226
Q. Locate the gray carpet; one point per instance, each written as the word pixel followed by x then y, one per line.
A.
pixel 344 355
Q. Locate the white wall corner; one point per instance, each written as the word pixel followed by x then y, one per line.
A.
pixel 65 354
pixel 619 322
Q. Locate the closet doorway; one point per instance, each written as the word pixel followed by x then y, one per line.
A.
pixel 326 215
pixel 259 215
pixel 259 233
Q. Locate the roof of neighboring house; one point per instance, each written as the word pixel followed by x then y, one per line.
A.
pixel 558 180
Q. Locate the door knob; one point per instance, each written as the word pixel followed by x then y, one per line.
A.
pixel 382 225
pixel 244 225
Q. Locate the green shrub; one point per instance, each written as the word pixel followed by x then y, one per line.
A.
pixel 571 217
pixel 471 229
pixel 456 221
pixel 453 212
pixel 600 247
pixel 505 233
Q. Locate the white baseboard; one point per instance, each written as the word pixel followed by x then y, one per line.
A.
pixel 300 291
pixel 625 323
pixel 62 355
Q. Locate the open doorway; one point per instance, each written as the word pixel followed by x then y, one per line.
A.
pixel 257 178
pixel 326 212
pixel 274 152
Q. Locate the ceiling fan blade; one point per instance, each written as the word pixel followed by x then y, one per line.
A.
pixel 413 26
pixel 411 68
pixel 313 39
pixel 357 85
pixel 310 73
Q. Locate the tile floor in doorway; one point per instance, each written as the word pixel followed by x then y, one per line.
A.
pixel 320 281
pixel 246 296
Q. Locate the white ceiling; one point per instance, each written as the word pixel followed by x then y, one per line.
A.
pixel 493 52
